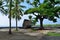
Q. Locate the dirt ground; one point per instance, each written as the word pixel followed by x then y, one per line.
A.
pixel 20 35
pixel 16 36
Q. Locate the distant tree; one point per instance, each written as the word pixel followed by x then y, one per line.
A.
pixel 45 10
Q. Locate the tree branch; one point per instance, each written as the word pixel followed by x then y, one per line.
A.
pixel 34 14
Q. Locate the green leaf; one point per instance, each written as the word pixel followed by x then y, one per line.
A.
pixel 54 20
pixel 28 1
pixel 0 3
pixel 30 17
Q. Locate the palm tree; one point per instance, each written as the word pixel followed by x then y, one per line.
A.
pixel 9 8
pixel 5 11
pixel 10 17
pixel 17 11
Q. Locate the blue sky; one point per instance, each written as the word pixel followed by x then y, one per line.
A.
pixel 4 21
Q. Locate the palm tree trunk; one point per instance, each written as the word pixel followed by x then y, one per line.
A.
pixel 16 14
pixel 10 26
pixel 16 24
pixel 10 17
pixel 41 23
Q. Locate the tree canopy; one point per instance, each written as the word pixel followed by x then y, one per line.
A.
pixel 45 10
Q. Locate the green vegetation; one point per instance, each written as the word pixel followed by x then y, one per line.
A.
pixel 49 25
pixel 53 34
pixel 52 25
pixel 17 10
pixel 45 10
pixel 33 30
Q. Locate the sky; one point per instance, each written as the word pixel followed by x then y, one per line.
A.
pixel 4 21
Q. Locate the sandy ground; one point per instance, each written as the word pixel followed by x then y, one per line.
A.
pixel 24 34
pixel 16 35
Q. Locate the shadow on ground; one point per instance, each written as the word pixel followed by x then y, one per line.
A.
pixel 16 36
pixel 50 38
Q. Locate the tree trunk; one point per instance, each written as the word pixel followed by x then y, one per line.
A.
pixel 10 26
pixel 41 24
pixel 16 14
pixel 10 17
pixel 16 24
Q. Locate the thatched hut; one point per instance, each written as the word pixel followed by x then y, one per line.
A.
pixel 26 24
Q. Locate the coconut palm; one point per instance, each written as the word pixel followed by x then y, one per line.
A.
pixel 10 16
pixel 17 10
pixel 5 11
pixel 9 7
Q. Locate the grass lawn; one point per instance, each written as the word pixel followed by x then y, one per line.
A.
pixel 53 34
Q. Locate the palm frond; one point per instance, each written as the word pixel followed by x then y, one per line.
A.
pixel 3 10
pixel 22 6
